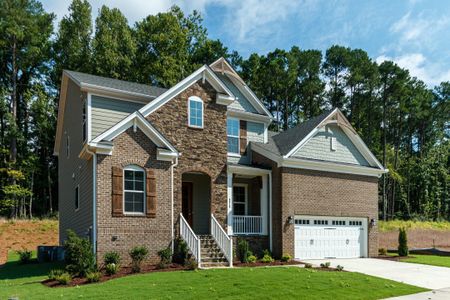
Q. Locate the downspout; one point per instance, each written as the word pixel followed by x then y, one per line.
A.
pixel 172 200
pixel 270 211
pixel 94 199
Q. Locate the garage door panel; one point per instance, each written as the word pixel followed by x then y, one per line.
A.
pixel 316 241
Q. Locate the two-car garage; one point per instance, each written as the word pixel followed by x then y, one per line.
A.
pixel 318 237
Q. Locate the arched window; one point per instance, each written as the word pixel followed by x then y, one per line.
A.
pixel 134 190
pixel 195 112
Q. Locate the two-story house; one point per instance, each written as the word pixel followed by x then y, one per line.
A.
pixel 142 165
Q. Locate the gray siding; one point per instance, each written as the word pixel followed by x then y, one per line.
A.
pixel 255 133
pixel 319 147
pixel 106 112
pixel 73 171
pixel 242 102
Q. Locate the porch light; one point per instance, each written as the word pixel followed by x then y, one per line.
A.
pixel 373 222
pixel 290 220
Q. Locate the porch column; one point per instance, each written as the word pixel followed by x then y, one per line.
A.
pixel 229 203
pixel 264 204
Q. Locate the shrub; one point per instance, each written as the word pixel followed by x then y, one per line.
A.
pixel 79 256
pixel 252 259
pixel 24 256
pixel 267 258
pixel 138 254
pixel 64 278
pixel 402 242
pixel 382 251
pixel 286 258
pixel 339 268
pixel 165 255
pixel 93 276
pixel 325 265
pixel 191 264
pixel 55 273
pixel 111 258
pixel 242 250
pixel 266 252
pixel 112 269
pixel 180 252
pixel 308 266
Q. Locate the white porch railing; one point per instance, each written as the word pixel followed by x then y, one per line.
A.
pixel 190 238
pixel 222 239
pixel 247 225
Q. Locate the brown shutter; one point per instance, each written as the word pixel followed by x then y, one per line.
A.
pixel 243 136
pixel 151 193
pixel 117 191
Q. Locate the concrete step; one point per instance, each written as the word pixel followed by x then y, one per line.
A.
pixel 214 264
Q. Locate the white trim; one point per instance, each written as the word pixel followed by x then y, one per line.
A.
pixel 195 99
pixel 246 170
pixel 238 153
pixel 243 115
pixel 118 97
pixel 134 168
pixel 94 202
pixel 231 154
pixel 245 186
pixel 184 84
pixel 224 99
pixel 333 143
pixel 89 117
pixel 164 154
pixel 229 202
pixel 270 212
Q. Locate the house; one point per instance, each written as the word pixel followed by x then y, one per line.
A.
pixel 142 165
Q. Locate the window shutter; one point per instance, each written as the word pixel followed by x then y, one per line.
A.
pixel 117 191
pixel 151 193
pixel 243 136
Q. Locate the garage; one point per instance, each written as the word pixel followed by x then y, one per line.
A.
pixel 330 237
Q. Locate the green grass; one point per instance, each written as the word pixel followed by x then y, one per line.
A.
pixel 432 260
pixel 23 281
pixel 396 224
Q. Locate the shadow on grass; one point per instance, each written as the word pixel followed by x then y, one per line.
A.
pixel 14 270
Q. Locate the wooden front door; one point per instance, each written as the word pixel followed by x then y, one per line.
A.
pixel 186 205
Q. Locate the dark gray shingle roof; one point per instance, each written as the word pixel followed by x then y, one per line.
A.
pixel 121 85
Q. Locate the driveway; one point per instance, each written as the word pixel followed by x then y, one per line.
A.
pixel 429 277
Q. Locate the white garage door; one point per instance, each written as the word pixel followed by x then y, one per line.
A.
pixel 330 237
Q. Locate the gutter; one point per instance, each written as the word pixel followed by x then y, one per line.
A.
pixel 171 206
pixel 94 200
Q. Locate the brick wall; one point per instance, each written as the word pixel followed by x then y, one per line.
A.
pixel 154 233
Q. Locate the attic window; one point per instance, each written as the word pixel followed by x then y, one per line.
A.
pixel 195 112
pixel 333 143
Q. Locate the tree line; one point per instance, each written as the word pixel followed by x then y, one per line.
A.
pixel 402 120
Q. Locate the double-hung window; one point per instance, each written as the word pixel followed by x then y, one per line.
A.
pixel 240 200
pixel 134 190
pixel 195 112
pixel 233 135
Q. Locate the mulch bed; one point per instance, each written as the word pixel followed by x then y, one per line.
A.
pixel 261 264
pixel 124 271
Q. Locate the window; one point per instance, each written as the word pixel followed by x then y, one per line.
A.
pixel 301 222
pixel 77 197
pixel 355 223
pixel 67 146
pixel 240 200
pixel 195 112
pixel 320 222
pixel 84 121
pixel 233 135
pixel 134 190
pixel 338 222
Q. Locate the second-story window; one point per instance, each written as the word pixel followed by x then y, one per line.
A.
pixel 195 112
pixel 233 135
pixel 84 121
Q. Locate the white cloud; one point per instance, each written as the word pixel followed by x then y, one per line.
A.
pixel 420 67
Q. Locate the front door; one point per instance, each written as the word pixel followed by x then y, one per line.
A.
pixel 186 206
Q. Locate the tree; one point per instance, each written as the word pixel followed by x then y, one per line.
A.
pixel 114 47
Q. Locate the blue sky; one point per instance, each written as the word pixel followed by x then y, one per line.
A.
pixel 413 33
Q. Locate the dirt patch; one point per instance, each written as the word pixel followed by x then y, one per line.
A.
pixel 124 271
pixel 26 234
pixel 417 238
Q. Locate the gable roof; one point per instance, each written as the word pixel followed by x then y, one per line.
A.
pixel 90 81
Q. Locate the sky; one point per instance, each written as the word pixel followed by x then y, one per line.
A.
pixel 413 33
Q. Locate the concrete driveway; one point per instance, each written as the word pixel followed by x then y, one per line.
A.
pixel 425 276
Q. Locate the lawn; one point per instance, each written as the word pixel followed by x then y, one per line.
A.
pixel 433 260
pixel 23 281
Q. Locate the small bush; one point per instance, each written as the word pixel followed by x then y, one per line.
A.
pixel 64 278
pixel 93 276
pixel 112 269
pixel 267 259
pixel 24 256
pixel 286 258
pixel 55 273
pixel 242 250
pixel 191 264
pixel 165 255
pixel 180 253
pixel 111 258
pixel 308 266
pixel 402 242
pixel 252 259
pixel 138 254
pixel 325 265
pixel 382 251
pixel 339 268
pixel 267 252
pixel 79 256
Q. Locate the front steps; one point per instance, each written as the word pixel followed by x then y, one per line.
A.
pixel 211 255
